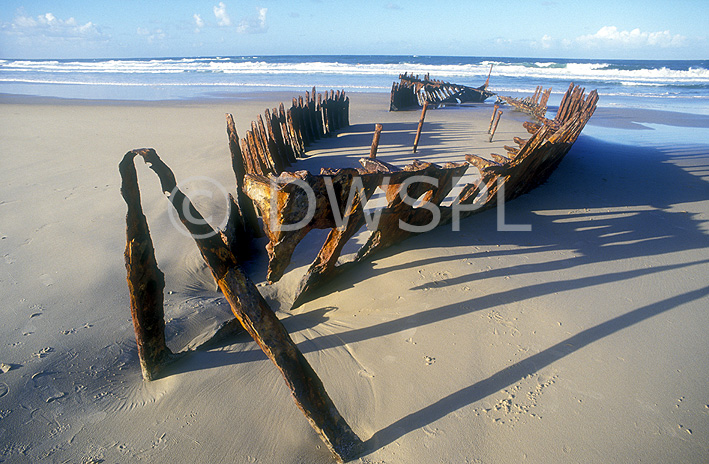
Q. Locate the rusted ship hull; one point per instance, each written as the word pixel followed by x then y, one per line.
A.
pixel 282 200
pixel 411 92
pixel 335 199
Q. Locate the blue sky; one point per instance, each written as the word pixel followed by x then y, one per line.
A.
pixel 623 29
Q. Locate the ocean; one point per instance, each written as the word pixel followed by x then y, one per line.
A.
pixel 679 85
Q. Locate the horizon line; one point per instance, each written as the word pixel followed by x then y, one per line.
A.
pixel 416 55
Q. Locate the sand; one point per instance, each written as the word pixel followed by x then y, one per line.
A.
pixel 583 340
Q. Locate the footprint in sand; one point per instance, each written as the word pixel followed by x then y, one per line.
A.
pixel 44 352
pixel 4 389
pixel 53 394
pixel 682 427
pixel 28 329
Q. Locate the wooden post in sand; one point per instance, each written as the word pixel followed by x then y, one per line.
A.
pixel 492 119
pixel 494 128
pixel 418 131
pixel 375 141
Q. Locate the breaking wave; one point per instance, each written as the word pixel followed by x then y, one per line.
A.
pixel 376 73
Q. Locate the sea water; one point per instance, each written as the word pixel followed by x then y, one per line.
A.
pixel 680 85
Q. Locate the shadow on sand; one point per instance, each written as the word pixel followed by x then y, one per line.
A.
pixel 606 202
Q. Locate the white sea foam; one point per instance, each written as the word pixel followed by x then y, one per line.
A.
pixel 292 85
pixel 632 79
pixel 539 70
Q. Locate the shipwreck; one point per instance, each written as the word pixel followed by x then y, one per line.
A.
pixel 286 205
pixel 412 92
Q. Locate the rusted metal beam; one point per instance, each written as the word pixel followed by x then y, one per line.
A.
pixel 401 200
pixel 375 141
pixel 258 319
pixel 492 118
pixel 243 203
pixel 494 128
pixel 292 149
pixel 146 282
pixel 536 104
pixel 420 126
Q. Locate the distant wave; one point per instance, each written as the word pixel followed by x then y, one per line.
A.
pixel 509 90
pixel 293 85
pixel 600 71
pixel 185 77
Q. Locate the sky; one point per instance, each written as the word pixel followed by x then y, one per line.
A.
pixel 617 29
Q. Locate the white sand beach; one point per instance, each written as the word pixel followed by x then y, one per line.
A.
pixel 583 340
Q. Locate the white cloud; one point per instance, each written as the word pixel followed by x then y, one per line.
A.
pixel 611 36
pixel 222 16
pixel 254 25
pixel 48 25
pixel 198 21
pixel 152 36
